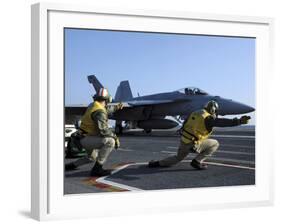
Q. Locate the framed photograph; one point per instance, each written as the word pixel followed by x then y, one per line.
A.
pixel 148 111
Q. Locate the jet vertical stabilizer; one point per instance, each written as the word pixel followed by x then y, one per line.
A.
pixel 95 82
pixel 123 92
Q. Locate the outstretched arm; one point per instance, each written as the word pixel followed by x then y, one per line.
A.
pixel 211 122
pixel 113 109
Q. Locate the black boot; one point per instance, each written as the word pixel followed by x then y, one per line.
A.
pixel 98 171
pixel 153 164
pixel 199 166
pixel 70 166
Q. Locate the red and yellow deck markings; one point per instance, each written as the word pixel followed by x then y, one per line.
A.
pixel 92 181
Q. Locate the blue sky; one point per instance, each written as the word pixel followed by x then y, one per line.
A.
pixel 154 63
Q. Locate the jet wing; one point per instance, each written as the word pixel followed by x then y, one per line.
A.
pixel 132 109
pixel 75 110
pixel 135 103
pixel 80 109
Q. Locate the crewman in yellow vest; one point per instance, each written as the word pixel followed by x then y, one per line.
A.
pixel 97 138
pixel 195 136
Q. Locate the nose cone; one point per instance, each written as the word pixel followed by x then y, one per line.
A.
pixel 227 107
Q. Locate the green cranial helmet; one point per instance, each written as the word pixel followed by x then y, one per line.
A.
pixel 212 107
pixel 103 94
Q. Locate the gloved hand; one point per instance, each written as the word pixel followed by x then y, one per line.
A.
pixel 119 106
pixel 244 119
pixel 117 143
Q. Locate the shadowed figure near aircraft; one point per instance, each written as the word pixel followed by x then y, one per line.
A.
pixel 149 112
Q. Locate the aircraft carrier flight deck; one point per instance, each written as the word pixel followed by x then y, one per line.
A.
pixel 232 165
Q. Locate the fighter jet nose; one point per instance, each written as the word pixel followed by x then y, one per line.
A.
pixel 243 108
pixel 233 107
pixel 251 109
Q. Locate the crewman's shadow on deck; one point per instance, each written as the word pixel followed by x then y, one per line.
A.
pixel 134 172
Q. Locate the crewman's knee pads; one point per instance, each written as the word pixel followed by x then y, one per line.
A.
pixel 110 142
pixel 215 146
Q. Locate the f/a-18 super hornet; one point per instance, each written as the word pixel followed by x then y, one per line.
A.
pixel 151 111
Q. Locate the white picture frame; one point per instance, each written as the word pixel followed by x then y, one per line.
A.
pixel 48 201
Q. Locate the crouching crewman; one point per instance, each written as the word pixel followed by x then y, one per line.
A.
pixel 195 136
pixel 96 137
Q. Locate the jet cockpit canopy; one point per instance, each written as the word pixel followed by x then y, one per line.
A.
pixel 192 91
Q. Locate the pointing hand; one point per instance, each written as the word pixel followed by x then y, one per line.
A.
pixel 245 119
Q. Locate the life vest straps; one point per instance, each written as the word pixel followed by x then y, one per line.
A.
pixel 193 137
pixel 194 129
pixel 88 126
